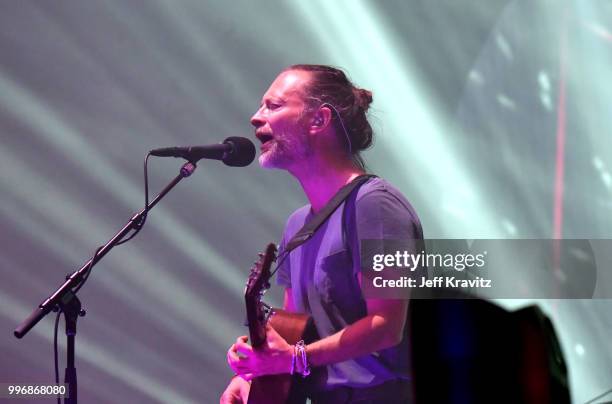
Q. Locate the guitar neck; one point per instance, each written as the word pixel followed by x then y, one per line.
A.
pixel 258 282
pixel 256 322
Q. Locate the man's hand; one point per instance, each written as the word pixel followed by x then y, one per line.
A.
pixel 237 392
pixel 274 357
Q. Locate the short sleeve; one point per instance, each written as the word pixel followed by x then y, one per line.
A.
pixel 382 215
pixel 387 220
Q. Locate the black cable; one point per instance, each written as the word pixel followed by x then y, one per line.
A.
pixel 139 226
pixel 87 271
pixel 59 313
pixel 143 218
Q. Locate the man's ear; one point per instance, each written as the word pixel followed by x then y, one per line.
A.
pixel 320 120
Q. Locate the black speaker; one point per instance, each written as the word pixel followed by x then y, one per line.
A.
pixel 473 351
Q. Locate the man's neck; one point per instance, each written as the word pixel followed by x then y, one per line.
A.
pixel 322 182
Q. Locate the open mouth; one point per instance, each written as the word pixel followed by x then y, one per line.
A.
pixel 264 137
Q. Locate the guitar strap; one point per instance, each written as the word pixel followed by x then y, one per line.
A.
pixel 308 230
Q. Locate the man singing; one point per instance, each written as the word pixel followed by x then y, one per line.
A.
pixel 312 122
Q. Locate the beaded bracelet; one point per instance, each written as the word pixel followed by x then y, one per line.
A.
pixel 293 355
pixel 300 352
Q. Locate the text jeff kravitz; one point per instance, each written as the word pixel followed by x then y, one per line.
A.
pixel 436 282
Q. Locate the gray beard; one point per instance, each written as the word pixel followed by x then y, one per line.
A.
pixel 284 154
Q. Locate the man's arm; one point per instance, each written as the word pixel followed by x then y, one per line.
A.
pixel 380 215
pixel 381 328
pixel 237 390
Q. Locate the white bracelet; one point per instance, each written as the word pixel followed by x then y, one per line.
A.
pixel 300 349
pixel 293 361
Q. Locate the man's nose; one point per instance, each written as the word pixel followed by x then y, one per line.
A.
pixel 257 120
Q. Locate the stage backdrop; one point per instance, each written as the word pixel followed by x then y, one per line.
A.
pixel 493 117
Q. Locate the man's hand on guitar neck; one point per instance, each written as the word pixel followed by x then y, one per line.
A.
pixel 274 357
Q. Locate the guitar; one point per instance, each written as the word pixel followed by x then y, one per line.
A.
pixel 273 389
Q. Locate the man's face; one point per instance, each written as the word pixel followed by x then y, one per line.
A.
pixel 279 122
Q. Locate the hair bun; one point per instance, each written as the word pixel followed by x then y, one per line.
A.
pixel 363 98
pixel 330 85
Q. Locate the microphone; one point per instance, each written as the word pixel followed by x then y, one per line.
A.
pixel 234 152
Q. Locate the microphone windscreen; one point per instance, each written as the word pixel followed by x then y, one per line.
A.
pixel 242 152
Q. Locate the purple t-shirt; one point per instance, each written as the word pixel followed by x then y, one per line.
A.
pixel 322 275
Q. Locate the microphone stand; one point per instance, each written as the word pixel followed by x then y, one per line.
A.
pixel 69 302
